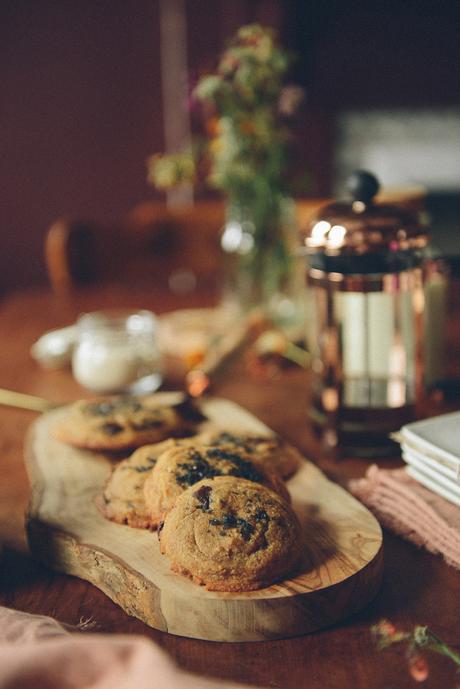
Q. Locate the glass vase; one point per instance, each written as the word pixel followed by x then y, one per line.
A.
pixel 262 269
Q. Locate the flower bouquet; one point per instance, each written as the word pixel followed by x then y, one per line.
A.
pixel 245 112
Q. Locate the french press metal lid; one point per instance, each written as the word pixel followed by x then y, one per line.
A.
pixel 363 237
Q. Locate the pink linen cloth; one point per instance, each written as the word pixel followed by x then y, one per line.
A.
pixel 409 509
pixel 38 653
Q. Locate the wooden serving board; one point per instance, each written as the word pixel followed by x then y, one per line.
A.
pixel 340 574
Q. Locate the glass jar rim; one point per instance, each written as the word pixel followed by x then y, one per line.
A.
pixel 117 322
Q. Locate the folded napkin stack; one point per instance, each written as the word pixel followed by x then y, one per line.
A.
pixel 431 450
pixel 421 502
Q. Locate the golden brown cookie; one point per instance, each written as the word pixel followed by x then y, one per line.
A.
pixel 272 450
pixel 113 424
pixel 231 535
pixel 122 499
pixel 183 465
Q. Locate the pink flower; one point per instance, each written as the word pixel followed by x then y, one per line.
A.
pixel 229 64
pixel 387 628
pixel 418 667
pixel 291 98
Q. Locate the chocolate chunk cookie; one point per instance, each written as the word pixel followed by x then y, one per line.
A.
pixel 181 466
pixel 113 424
pixel 231 534
pixel 276 453
pixel 122 500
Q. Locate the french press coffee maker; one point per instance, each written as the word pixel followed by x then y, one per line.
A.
pixel 374 296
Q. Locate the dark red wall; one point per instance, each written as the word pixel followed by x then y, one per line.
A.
pixel 81 110
pixel 80 96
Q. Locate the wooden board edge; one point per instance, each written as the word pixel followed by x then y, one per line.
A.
pixel 123 585
pixel 140 598
pixel 34 474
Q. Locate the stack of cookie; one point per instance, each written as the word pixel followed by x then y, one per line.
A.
pixel 218 500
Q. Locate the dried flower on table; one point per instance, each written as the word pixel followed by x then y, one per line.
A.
pixel 386 634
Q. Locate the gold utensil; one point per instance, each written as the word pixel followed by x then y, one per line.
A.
pixel 214 365
pixel 22 401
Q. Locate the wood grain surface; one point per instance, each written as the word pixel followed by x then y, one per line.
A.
pixel 341 564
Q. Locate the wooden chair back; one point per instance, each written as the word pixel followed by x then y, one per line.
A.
pixel 153 245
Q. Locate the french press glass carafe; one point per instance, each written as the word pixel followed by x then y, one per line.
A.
pixel 374 296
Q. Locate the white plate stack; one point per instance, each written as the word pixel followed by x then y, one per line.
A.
pixel 431 450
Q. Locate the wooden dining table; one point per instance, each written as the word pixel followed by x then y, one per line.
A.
pixel 418 588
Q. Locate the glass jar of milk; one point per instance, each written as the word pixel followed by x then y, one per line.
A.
pixel 117 352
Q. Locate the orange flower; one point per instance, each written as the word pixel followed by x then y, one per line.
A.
pixel 247 127
pixel 212 126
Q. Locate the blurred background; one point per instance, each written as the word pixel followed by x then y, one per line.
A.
pixel 91 88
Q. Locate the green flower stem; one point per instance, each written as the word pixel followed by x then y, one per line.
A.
pixel 424 638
